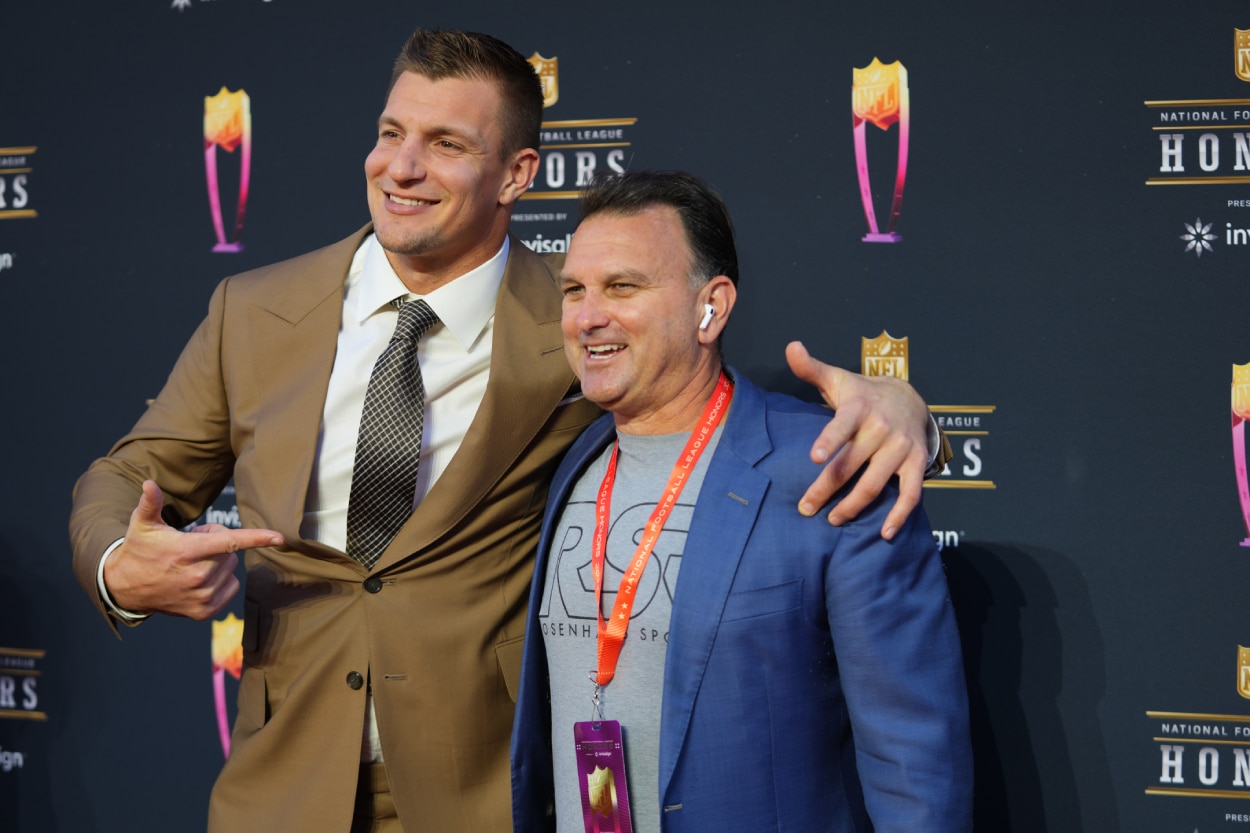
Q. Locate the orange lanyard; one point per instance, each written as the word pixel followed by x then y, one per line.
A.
pixel 612 634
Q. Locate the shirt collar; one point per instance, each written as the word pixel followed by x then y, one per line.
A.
pixel 464 305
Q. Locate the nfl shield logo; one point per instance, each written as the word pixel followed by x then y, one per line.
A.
pixel 547 73
pixel 1241 53
pixel 1241 390
pixel 1243 671
pixel 884 356
pixel 876 92
pixel 225 117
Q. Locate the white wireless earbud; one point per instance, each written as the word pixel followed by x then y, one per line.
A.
pixel 708 312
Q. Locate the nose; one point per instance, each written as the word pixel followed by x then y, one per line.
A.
pixel 592 312
pixel 408 162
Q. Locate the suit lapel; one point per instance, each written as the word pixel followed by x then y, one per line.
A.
pixel 293 338
pixel 728 505
pixel 529 376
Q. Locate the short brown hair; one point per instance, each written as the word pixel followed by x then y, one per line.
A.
pixel 703 214
pixel 438 54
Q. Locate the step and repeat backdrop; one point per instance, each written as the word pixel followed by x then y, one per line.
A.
pixel 1042 218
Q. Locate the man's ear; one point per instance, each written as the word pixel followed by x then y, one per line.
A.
pixel 521 172
pixel 720 294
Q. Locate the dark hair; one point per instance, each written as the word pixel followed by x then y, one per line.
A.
pixel 704 217
pixel 438 54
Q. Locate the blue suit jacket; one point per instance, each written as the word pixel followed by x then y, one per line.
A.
pixel 813 678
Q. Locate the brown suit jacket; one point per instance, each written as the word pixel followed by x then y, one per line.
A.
pixel 440 640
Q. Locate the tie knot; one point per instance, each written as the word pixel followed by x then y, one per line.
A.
pixel 415 317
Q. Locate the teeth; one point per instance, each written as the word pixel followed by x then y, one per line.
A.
pixel 600 349
pixel 406 201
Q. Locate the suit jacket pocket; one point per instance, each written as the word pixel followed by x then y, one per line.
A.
pixel 762 601
pixel 509 656
pixel 253 700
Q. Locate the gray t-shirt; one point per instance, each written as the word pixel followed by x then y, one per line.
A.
pixel 570 628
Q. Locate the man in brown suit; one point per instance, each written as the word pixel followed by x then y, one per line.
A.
pixel 380 697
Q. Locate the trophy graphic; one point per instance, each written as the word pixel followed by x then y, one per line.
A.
pixel 227 658
pixel 227 125
pixel 1241 412
pixel 879 95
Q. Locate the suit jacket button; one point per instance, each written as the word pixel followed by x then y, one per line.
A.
pixel 355 681
pixel 373 584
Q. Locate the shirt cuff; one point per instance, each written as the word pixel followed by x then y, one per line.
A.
pixel 124 616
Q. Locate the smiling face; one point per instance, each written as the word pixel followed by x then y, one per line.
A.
pixel 441 189
pixel 631 320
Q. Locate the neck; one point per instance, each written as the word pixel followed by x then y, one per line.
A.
pixel 422 273
pixel 681 414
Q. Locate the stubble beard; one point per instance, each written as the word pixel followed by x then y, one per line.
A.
pixel 420 244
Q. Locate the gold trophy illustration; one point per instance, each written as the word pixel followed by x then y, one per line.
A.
pixel 879 95
pixel 1241 412
pixel 227 125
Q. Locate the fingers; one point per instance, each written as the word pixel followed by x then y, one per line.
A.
pixel 825 377
pixel 866 490
pixel 878 420
pixel 872 480
pixel 894 458
pixel 910 483
pixel 210 596
pixel 832 477
pixel 214 539
pixel 846 426
pixel 204 588
pixel 801 362
pixel 227 592
pixel 148 511
pixel 845 443
pixel 161 569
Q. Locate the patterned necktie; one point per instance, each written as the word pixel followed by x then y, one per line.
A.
pixel 388 449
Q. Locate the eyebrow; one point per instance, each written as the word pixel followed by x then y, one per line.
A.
pixel 628 274
pixel 438 130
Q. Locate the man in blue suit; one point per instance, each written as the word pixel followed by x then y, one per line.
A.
pixel 799 676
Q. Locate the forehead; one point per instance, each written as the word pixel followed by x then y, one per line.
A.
pixel 466 102
pixel 650 242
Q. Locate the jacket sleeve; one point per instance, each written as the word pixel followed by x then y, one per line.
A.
pixel 899 654
pixel 182 442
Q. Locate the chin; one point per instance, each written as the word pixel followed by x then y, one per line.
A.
pixel 599 394
pixel 396 241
